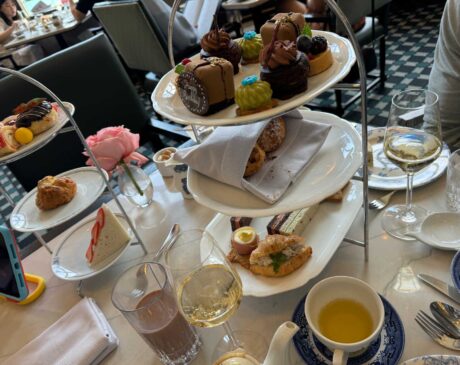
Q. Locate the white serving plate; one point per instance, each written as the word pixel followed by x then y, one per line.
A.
pixel 333 166
pixel 384 175
pixel 42 139
pixel 166 100
pixel 27 217
pixel 68 261
pixel 434 360
pixel 318 234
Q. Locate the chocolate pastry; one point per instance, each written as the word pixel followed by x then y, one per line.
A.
pixel 284 68
pixel 206 86
pixel 291 27
pixel 38 115
pixel 217 43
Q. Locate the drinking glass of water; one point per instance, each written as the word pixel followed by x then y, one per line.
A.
pixel 453 182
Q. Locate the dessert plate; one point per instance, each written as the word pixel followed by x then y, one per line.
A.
pixel 42 139
pixel 166 100
pixel 434 360
pixel 384 175
pixel 68 261
pixel 455 270
pixel 387 349
pixel 332 167
pixel 26 217
pixel 317 234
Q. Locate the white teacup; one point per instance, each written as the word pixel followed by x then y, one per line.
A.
pixel 161 158
pixel 344 287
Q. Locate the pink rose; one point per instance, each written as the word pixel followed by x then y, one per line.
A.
pixel 111 145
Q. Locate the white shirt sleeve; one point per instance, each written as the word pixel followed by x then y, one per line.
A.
pixel 445 74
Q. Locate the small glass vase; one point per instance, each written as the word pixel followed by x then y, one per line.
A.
pixel 135 184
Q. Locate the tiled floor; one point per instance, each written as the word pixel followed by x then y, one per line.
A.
pixel 410 46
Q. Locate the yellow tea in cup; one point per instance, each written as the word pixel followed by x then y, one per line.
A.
pixel 345 321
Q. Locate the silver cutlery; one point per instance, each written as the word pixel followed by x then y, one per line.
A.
pixel 436 332
pixel 441 286
pixel 141 274
pixel 447 316
pixel 379 204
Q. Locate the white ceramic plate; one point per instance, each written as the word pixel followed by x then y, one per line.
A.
pixel 26 217
pixel 335 164
pixel 69 261
pixel 318 234
pixel 167 102
pixel 434 360
pixel 384 175
pixel 42 139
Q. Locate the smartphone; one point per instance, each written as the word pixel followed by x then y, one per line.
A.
pixel 12 281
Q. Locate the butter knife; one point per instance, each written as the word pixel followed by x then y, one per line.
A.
pixel 441 286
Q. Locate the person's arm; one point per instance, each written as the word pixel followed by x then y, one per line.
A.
pixel 7 33
pixel 77 14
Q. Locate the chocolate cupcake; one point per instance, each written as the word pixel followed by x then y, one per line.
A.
pixel 217 43
pixel 284 68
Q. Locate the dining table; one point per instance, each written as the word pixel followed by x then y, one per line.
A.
pixel 68 23
pixel 391 270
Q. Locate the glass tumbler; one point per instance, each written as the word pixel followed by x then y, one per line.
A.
pixel 453 182
pixel 146 299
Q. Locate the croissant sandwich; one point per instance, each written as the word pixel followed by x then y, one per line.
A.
pixel 278 255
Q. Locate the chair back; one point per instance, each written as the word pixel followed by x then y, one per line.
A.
pixel 90 76
pixel 135 35
pixel 354 10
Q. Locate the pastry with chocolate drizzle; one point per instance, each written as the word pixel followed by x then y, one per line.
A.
pixel 217 43
pixel 284 67
pixel 38 115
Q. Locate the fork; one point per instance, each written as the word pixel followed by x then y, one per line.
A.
pixel 436 332
pixel 379 204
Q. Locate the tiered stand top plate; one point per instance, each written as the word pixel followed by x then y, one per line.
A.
pixel 166 100
pixel 42 139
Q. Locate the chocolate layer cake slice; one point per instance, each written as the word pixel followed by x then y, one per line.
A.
pixel 238 222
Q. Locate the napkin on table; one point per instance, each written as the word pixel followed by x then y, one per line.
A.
pixel 82 336
pixel 224 154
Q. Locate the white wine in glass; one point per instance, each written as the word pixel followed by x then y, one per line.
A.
pixel 209 290
pixel 412 142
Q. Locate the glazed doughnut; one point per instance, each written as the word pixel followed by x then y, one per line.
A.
pixel 255 162
pixel 273 135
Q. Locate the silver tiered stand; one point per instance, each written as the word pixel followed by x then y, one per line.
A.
pixel 75 128
pixel 361 87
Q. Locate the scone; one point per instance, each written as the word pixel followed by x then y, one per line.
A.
pixel 53 192
pixel 273 135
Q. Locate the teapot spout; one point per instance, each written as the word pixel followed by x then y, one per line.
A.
pixel 277 350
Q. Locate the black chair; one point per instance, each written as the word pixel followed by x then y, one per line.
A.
pixel 90 76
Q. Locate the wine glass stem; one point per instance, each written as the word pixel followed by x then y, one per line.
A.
pixel 410 179
pixel 231 335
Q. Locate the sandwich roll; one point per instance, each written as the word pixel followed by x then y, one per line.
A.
pixel 279 255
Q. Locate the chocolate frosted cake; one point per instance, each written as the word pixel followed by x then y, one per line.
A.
pixel 291 26
pixel 217 43
pixel 206 86
pixel 284 68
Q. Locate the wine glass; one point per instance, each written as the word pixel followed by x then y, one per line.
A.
pixel 412 141
pixel 209 290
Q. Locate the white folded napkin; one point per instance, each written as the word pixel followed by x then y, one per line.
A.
pixel 82 336
pixel 224 154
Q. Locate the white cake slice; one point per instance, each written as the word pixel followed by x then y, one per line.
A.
pixel 107 236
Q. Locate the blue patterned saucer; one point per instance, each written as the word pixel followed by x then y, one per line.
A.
pixel 434 360
pixel 385 350
pixel 455 270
